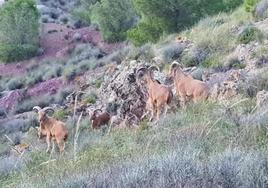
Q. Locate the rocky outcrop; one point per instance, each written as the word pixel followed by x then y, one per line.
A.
pixel 123 95
pixel 228 88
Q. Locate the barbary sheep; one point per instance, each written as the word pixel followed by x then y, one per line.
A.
pixel 186 86
pixel 100 120
pixel 51 128
pixel 160 95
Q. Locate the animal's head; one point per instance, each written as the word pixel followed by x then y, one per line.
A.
pixel 147 73
pixel 42 113
pixel 175 68
pixel 95 114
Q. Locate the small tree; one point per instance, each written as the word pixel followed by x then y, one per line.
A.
pixel 114 17
pixel 173 16
pixel 19 30
pixel 148 30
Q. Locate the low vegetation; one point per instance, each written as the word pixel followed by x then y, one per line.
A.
pixel 205 143
pixel 199 147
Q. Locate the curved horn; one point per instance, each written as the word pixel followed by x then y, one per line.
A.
pixel 174 65
pixel 140 70
pixel 37 108
pixel 48 108
pixel 154 68
pixel 95 111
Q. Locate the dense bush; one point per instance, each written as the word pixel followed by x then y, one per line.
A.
pixel 250 33
pixel 18 30
pixel 84 11
pixel 162 17
pixel 114 17
pixel 28 104
pixel 250 5
pixel 147 31
pixel 15 83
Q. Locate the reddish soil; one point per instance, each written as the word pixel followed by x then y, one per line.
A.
pixel 52 39
pixel 47 87
pixel 11 99
pixel 56 41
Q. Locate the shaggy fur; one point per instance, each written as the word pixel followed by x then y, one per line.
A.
pixel 51 128
pixel 160 96
pixel 186 86
pixel 100 120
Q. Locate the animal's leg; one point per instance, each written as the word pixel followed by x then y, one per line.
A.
pixel 165 110
pixel 183 102
pixel 158 112
pixel 153 113
pixel 53 147
pixel 48 139
pixel 39 132
pixel 61 145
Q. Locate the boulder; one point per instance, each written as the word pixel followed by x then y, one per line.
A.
pixel 228 88
pixel 124 95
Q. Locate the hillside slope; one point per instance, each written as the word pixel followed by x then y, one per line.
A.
pixel 221 142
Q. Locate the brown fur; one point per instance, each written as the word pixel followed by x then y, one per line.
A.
pixel 100 120
pixel 160 95
pixel 52 129
pixel 188 87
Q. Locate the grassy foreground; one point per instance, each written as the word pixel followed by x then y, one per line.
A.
pixel 206 145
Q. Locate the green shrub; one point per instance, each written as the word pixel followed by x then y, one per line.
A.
pixel 114 18
pixel 84 11
pixel 250 33
pixel 18 30
pixel 90 99
pixel 213 61
pixel 214 39
pixel 234 63
pixel 256 82
pixel 28 104
pixel 98 83
pixel 195 56
pixel 60 114
pixel 260 52
pixel 250 5
pixel 61 95
pixel 160 17
pixel 70 73
pixel 34 78
pixel 145 53
pixel 146 31
pixel 15 83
